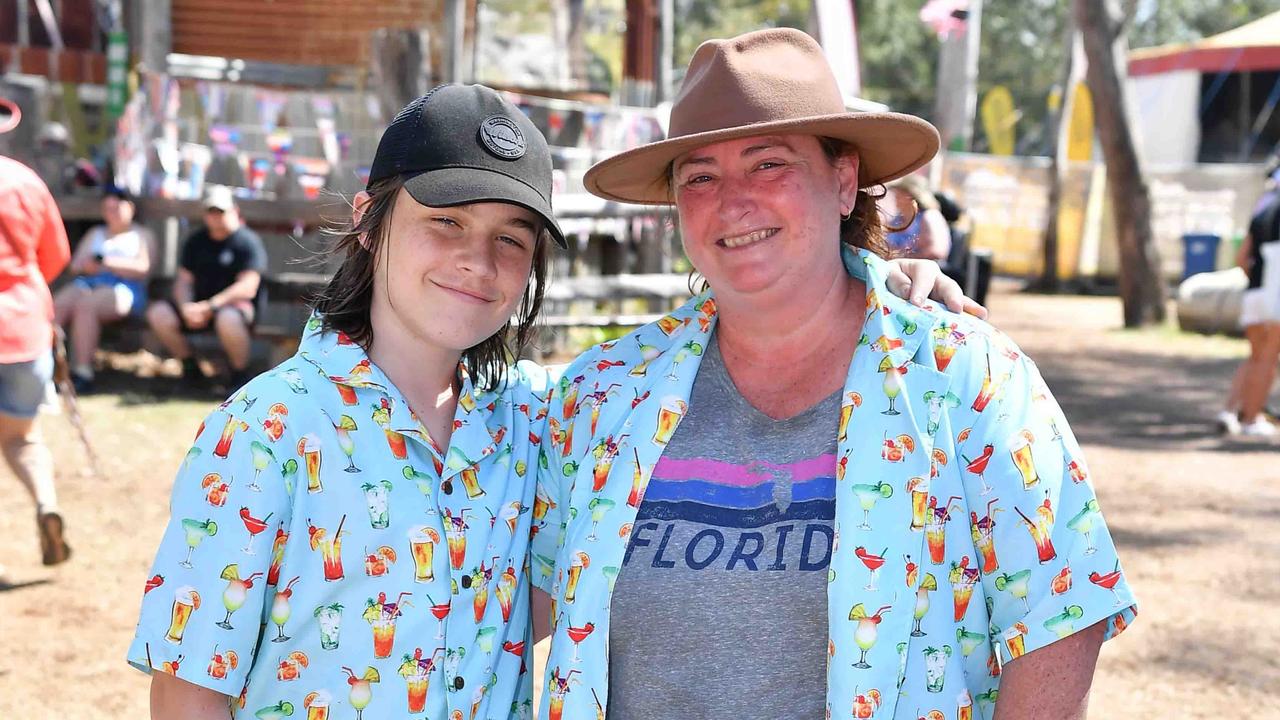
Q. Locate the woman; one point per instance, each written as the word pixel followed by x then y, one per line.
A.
pixel 111 265
pixel 910 205
pixel 1259 257
pixel 797 495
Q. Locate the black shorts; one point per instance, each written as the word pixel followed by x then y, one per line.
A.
pixel 244 307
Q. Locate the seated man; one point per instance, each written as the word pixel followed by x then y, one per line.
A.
pixel 218 286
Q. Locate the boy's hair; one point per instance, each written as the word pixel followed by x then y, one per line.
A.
pixel 345 303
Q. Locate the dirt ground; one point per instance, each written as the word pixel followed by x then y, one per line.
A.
pixel 1192 514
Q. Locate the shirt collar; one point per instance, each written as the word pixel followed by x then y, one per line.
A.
pixel 893 326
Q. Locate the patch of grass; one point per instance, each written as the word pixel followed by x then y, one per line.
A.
pixel 1169 338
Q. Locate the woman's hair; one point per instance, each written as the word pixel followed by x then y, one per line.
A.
pixel 345 303
pixel 863 228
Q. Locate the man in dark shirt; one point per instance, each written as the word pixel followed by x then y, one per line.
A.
pixel 218 287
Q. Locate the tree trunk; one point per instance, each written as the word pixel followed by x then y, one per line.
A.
pixel 1102 28
pixel 1059 127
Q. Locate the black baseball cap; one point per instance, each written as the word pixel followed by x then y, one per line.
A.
pixel 461 144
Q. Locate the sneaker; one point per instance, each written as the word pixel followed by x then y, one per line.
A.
pixel 1260 427
pixel 53 546
pixel 1228 422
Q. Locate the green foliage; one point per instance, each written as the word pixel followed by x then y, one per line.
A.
pixel 1159 22
pixel 699 20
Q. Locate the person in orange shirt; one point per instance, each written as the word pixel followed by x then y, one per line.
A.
pixel 33 250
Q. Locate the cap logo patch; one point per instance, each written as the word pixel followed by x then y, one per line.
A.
pixel 500 136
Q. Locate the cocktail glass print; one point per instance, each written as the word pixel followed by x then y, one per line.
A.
pixel 309 448
pixel 577 635
pixel 229 430
pixel 253 526
pixel 455 533
pixel 236 592
pixel 280 610
pixel 935 667
pixel 669 414
pixel 580 562
pixel 1020 450
pixel 185 601
pixel 969 641
pixel 892 384
pixel 416 671
pixel 381 616
pixel 376 495
pixel 1083 522
pixel 847 404
pixel 987 391
pixel 865 635
pixel 978 466
pixel 195 532
pixel 343 427
pixel 867 496
pixel 395 441
pixel 1015 640
pixel 873 564
pixel 262 459
pixel 599 507
pixel 317 704
pixel 690 348
pixel 1108 581
pixel 865 704
pixel 1016 584
pixel 361 693
pixel 918 487
pixel 221 663
pixel 440 611
pixel 279 711
pixel 946 341
pixel 1041 530
pixel 422 544
pixel 962 578
pixel 277 556
pixel 637 483
pixel 935 529
pixel 927 585
pixel 329 619
pixel 983 532
pixel 1063 624
pixel 648 353
pixel 557 688
pixel 964 706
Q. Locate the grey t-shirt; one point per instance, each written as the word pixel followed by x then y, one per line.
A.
pixel 720 609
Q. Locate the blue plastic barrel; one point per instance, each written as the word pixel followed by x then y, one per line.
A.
pixel 1200 254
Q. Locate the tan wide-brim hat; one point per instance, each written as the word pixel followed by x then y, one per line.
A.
pixel 768 82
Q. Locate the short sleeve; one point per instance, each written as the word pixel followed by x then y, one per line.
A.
pixel 1049 566
pixel 253 253
pixel 205 595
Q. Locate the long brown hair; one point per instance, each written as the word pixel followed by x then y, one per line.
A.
pixel 346 302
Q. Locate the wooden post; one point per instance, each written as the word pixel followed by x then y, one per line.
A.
pixel 153 34
pixel 400 68
pixel 956 100
pixel 639 53
pixel 1059 126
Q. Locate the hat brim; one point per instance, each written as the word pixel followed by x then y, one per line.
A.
pixel 447 187
pixel 889 145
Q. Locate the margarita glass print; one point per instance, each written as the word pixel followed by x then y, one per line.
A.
pixel 1020 451
pixel 309 449
pixel 289 472
pixel 344 427
pixel 1063 624
pixel 962 578
pixel 867 631
pixel 440 611
pixel 279 711
pixel 927 585
pixel 577 635
pixel 983 532
pixel 422 544
pixel 935 667
pixel 361 693
pixel 1017 584
pixel 381 616
pixel 689 348
pixel 1083 523
pixel 1108 581
pixel 1041 530
pixel 867 497
pixel 280 610
pixel 375 496
pixel 329 619
pixel 673 408
pixel 648 353
pixel 872 562
pixel 416 671
pixel 580 562
pixel 610 576
pixel 455 533
pixel 892 385
pixel 978 466
pixel 236 592
pixel 262 459
pixel 558 687
pixel 419 478
pixel 969 641
pixel 185 601
pixel 317 704
pixel 196 531
pixel 599 507
pixel 254 526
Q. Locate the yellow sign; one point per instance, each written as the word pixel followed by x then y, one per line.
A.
pixel 998 119
pixel 1080 132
